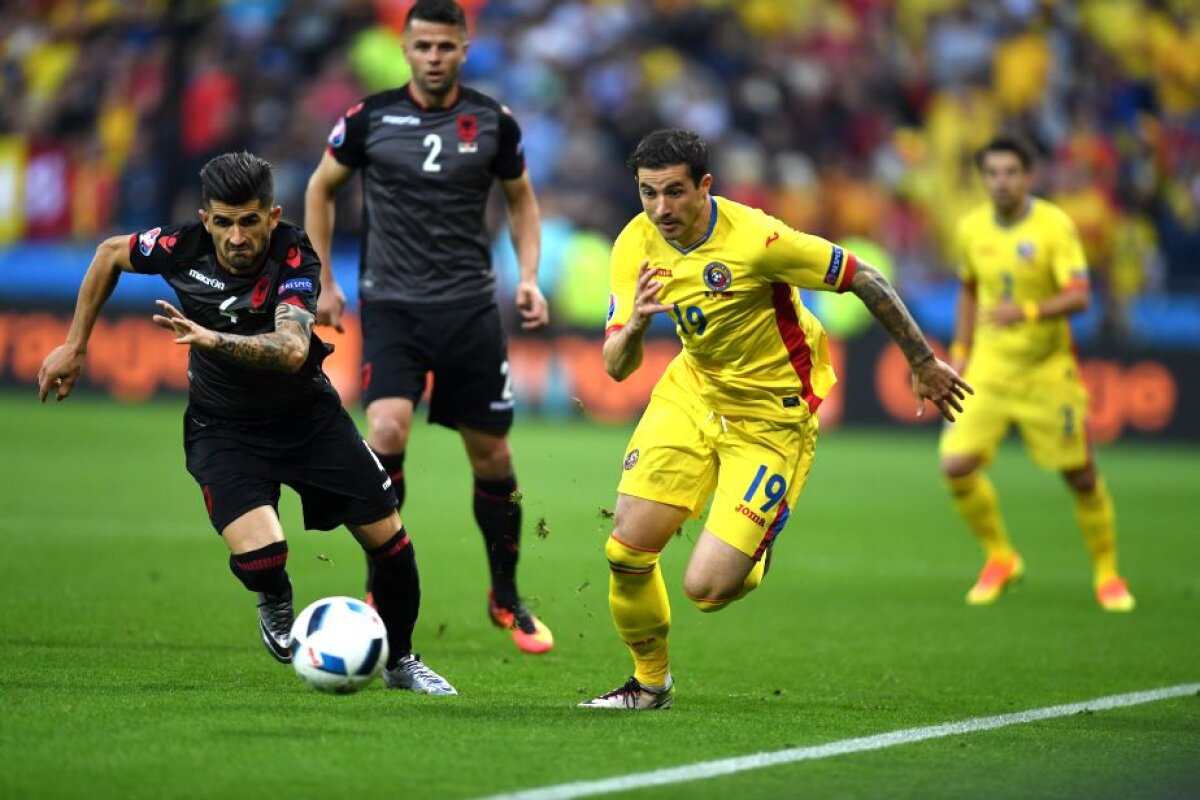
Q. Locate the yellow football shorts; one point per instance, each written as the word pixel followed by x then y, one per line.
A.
pixel 1051 416
pixel 681 454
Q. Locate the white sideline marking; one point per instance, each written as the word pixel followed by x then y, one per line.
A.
pixel 728 766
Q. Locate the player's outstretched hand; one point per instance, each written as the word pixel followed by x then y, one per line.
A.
pixel 936 382
pixel 60 369
pixel 645 298
pixel 531 303
pixel 331 304
pixel 186 331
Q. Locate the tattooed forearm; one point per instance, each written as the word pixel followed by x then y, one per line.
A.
pixel 887 307
pixel 294 318
pixel 284 349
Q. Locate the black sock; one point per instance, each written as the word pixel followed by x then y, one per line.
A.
pixel 393 465
pixel 264 569
pixel 499 518
pixel 397 592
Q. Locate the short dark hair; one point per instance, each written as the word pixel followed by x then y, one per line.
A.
pixel 443 12
pixel 237 179
pixel 668 147
pixel 1007 143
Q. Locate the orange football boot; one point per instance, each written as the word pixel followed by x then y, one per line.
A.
pixel 528 632
pixel 995 577
pixel 1113 595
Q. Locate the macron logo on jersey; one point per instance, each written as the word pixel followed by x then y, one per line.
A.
pixel 213 282
pixel 836 259
pixel 146 241
pixel 304 285
pixel 407 119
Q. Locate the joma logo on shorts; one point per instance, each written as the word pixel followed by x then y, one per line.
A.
pixel 745 511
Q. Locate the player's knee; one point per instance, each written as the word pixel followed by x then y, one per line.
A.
pixel 955 468
pixel 495 465
pixel 709 594
pixel 625 559
pixel 387 433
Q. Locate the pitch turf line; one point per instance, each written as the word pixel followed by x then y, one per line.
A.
pixel 728 766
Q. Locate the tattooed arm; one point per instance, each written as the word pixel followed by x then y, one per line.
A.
pixel 881 299
pixel 932 378
pixel 284 349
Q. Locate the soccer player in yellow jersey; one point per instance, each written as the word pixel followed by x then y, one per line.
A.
pixel 1023 274
pixel 733 418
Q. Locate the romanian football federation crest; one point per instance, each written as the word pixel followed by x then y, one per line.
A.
pixel 631 460
pixel 1025 250
pixel 717 277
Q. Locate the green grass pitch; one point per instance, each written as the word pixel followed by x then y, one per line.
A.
pixel 132 668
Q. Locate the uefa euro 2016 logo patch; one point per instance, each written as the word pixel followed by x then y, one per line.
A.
pixel 1025 250
pixel 717 277
pixel 338 135
pixel 146 241
pixel 631 460
pixel 612 307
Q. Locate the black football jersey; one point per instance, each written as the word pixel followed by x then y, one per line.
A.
pixel 427 174
pixel 185 257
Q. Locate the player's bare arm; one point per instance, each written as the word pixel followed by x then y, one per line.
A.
pixel 319 213
pixel 525 223
pixel 933 379
pixel 63 365
pixel 284 349
pixel 623 349
pixel 1072 300
pixel 964 325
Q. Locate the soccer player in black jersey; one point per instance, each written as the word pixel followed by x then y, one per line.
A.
pixel 429 152
pixel 261 412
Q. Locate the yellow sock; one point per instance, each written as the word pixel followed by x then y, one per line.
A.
pixel 1097 522
pixel 753 579
pixel 975 498
pixel 637 597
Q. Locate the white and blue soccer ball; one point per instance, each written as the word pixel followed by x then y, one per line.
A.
pixel 339 645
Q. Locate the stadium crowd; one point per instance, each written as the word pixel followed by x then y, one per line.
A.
pixel 852 119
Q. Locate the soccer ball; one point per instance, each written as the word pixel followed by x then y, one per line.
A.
pixel 339 645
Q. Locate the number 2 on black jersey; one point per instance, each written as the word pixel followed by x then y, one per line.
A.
pixel 434 143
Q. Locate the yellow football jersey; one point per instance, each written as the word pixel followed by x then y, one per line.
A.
pixel 1031 260
pixel 750 347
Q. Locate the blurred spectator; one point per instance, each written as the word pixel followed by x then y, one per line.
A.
pixel 845 118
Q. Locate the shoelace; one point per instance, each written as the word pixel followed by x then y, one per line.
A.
pixel 415 667
pixel 628 693
pixel 524 620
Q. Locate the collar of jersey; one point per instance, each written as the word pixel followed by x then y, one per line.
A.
pixel 412 99
pixel 712 223
pixel 1024 216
